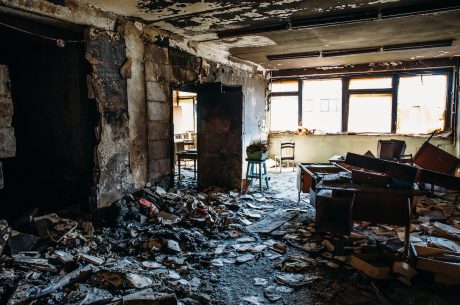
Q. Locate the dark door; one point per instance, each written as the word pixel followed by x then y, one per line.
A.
pixel 220 134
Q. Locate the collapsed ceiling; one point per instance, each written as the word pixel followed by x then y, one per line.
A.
pixel 253 30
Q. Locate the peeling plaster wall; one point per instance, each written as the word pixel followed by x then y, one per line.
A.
pixel 106 52
pixel 7 138
pixel 137 110
pixel 165 67
pixel 132 79
pixel 158 76
pixel 72 11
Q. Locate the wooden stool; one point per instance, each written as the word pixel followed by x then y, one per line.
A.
pixel 257 173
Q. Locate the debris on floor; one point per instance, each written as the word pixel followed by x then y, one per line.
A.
pixel 180 246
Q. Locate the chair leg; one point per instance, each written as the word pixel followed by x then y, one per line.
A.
pixel 247 171
pixel 260 176
pixel 265 173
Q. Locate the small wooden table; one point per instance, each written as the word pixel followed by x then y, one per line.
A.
pixel 187 155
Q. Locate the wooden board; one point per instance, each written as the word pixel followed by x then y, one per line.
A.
pixel 272 222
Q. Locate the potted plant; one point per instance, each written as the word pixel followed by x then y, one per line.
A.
pixel 257 150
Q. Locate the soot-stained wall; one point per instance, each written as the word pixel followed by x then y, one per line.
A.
pixel 53 122
pixel 166 67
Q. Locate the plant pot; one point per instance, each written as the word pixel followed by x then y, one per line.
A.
pixel 257 155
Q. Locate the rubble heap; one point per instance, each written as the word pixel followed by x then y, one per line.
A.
pixel 167 247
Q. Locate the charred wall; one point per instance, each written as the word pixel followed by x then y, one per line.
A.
pixel 167 67
pixel 106 51
pixel 131 76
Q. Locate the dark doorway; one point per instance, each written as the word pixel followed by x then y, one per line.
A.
pixel 53 119
pixel 220 135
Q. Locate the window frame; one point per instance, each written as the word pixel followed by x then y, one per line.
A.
pixel 449 121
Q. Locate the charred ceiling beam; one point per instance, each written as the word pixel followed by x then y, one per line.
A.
pixel 427 64
pixel 419 45
pixel 294 55
pixel 364 50
pixel 354 51
pixel 354 16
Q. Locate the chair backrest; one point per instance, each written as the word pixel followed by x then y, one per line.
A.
pixel 390 149
pixel 287 150
pixel 385 149
pixel 400 148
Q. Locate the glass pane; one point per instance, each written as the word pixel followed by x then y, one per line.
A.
pixel 370 83
pixel 370 113
pixel 284 113
pixel 184 116
pixel 421 104
pixel 322 105
pixel 185 94
pixel 285 86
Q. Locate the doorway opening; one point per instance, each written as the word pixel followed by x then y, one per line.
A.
pixel 53 119
pixel 185 136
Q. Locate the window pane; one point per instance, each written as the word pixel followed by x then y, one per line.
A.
pixel 186 94
pixel 421 103
pixel 322 105
pixel 370 113
pixel 184 116
pixel 284 113
pixel 370 83
pixel 285 86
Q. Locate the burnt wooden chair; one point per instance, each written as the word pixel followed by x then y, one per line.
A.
pixel 286 154
pixel 393 150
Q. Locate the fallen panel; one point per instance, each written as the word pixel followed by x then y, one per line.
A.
pixel 435 159
pixel 272 222
pixel 439 179
pixel 390 168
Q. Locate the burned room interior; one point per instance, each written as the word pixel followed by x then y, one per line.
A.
pixel 229 152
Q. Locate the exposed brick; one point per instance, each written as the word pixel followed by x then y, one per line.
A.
pixel 5 89
pixel 6 111
pixel 160 168
pixel 158 130
pixel 7 142
pixel 158 111
pixel 159 149
pixel 155 53
pixel 155 92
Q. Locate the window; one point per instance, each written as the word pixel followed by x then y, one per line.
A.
pixel 371 83
pixel 370 103
pixel 284 113
pixel 370 113
pixel 421 103
pixel 403 103
pixel 322 105
pixel 184 112
pixel 284 105
pixel 285 86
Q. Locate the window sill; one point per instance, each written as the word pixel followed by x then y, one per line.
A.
pixel 442 135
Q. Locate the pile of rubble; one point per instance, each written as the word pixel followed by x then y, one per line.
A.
pixel 141 250
pixel 166 247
